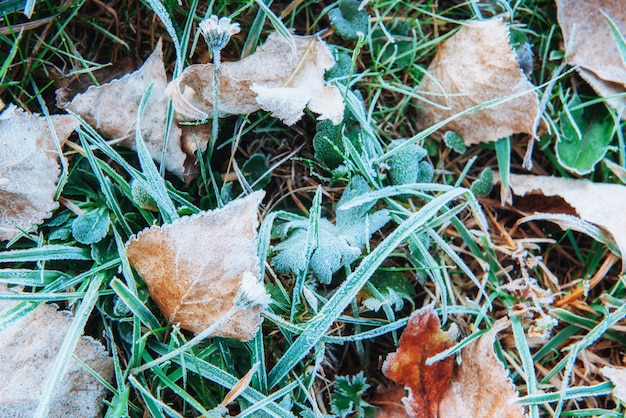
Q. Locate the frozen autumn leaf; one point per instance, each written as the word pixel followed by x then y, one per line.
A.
pixel 590 44
pixel 112 110
pixel 276 78
pixel 422 339
pixel 388 402
pixel 29 168
pixel 480 386
pixel 195 266
pixel 28 350
pixel 476 65
pixel 598 203
pixel 618 378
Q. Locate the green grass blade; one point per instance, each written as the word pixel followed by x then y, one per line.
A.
pixel 317 327
pixel 64 356
pixel 311 244
pixel 154 183
pixel 45 253
pixel 134 304
pixel 527 361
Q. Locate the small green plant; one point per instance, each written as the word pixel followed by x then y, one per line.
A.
pixel 337 245
pixel 349 19
pixel 454 141
pixel 410 165
pixel 483 185
pixel 347 398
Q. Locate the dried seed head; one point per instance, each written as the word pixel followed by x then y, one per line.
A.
pixel 216 32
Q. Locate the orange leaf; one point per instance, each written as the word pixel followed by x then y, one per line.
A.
pixel 421 340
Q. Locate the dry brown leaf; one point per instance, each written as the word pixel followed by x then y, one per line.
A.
pixel 598 203
pixel 618 378
pixel 28 350
pixel 29 168
pixel 422 339
pixel 589 44
pixel 480 386
pixel 112 110
pixel 476 65
pixel 195 265
pixel 275 78
pixel 388 402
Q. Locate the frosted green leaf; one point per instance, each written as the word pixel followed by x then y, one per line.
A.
pixel 348 20
pixel 404 167
pixel 587 134
pixel 256 171
pixel 347 398
pixel 338 244
pixel 454 141
pixel 327 143
pixel 392 289
pixel 483 185
pixel 91 227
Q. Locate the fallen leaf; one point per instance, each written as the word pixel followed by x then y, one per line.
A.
pixel 618 378
pixel 480 386
pixel 194 266
pixel 476 65
pixel 113 107
pixel 276 79
pixel 590 45
pixel 388 402
pixel 421 340
pixel 29 168
pixel 598 203
pixel 28 350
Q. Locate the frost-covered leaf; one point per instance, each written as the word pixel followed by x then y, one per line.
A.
pixel 454 141
pixel 112 110
pixel 480 385
pixel 349 19
pixel 338 245
pixel 347 397
pixel 476 65
pixel 422 339
pixel 356 223
pixel 275 78
pixel 28 350
pixel 391 289
pixel 256 171
pixel 29 168
pixel 592 47
pixel 598 203
pixel 618 378
pixel 388 402
pixel 404 167
pixel 395 45
pixel 483 185
pixel 195 266
pixel 91 227
pixel 587 134
pixel 328 143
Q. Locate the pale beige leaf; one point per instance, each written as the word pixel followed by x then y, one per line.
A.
pixel 195 266
pixel 29 168
pixel 598 203
pixel 480 386
pixel 589 43
pixel 113 107
pixel 28 349
pixel 275 78
pixel 476 65
pixel 618 378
